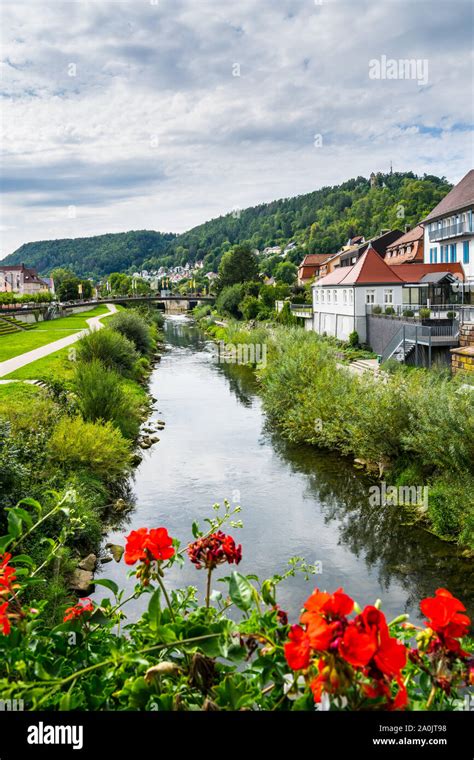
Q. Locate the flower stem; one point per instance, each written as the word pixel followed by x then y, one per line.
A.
pixel 431 697
pixel 168 601
pixel 208 588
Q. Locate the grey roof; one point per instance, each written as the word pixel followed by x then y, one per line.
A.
pixel 461 196
pixel 436 277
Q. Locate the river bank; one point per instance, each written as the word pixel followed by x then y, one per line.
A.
pixel 73 438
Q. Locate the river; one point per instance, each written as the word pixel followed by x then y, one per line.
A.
pixel 296 501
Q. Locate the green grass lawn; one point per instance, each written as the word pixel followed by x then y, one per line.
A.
pixel 13 394
pixel 18 343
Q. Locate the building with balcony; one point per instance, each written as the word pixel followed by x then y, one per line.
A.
pixel 449 231
pixel 342 299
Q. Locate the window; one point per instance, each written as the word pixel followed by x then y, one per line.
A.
pixel 344 296
pixel 388 296
pixel 435 255
pixel 334 296
pixel 465 252
pixel 322 296
pixel 453 252
pixel 351 296
pixel 316 296
pixel 370 296
pixel 329 296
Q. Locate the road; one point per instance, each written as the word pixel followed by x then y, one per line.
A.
pixel 11 365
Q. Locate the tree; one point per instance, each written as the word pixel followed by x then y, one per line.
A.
pixel 250 307
pixel 229 300
pixel 239 264
pixel 286 272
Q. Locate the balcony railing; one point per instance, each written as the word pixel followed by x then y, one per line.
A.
pixel 453 230
pixel 462 313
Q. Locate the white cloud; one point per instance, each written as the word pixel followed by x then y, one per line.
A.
pixel 155 132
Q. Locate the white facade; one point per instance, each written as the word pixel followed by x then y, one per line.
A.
pixel 451 238
pixel 338 310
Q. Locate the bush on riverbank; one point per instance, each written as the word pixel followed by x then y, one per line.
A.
pixel 114 350
pixel 101 395
pixel 77 445
pixel 185 653
pixel 134 327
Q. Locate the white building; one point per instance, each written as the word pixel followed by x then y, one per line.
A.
pixel 342 298
pixel 449 230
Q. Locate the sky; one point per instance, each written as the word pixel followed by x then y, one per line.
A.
pixel 162 114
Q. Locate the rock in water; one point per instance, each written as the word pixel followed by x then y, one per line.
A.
pixel 82 582
pixel 88 563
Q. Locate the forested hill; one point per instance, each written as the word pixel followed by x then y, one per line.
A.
pixel 322 221
pixel 94 256
pixel 319 222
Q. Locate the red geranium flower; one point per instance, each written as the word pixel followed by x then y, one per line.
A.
pixel 143 545
pixel 7 574
pixel 4 621
pixel 213 550
pixel 357 647
pixel 297 650
pixel 71 613
pixel 444 613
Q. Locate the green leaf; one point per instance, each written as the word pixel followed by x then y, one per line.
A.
pixel 31 503
pixel 23 559
pixel 240 591
pixel 4 542
pixel 196 530
pixel 268 590
pixel 14 523
pixel 41 672
pixel 65 702
pixel 107 583
pixel 154 610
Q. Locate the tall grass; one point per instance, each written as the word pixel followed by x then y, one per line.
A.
pixel 114 350
pixel 134 327
pixel 101 396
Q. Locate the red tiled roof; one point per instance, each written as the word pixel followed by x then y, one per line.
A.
pixel 408 237
pixel 459 197
pixel 314 258
pixel 370 268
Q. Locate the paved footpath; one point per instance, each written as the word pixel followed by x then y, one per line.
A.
pixel 50 348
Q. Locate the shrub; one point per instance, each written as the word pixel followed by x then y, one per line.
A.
pixel 448 502
pixel 101 396
pixel 408 313
pixel 451 315
pixel 354 338
pixel 134 327
pixel 285 316
pixel 76 444
pixel 229 300
pixel 425 313
pixel 199 312
pixel 376 309
pixel 389 310
pixel 249 307
pixel 110 347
